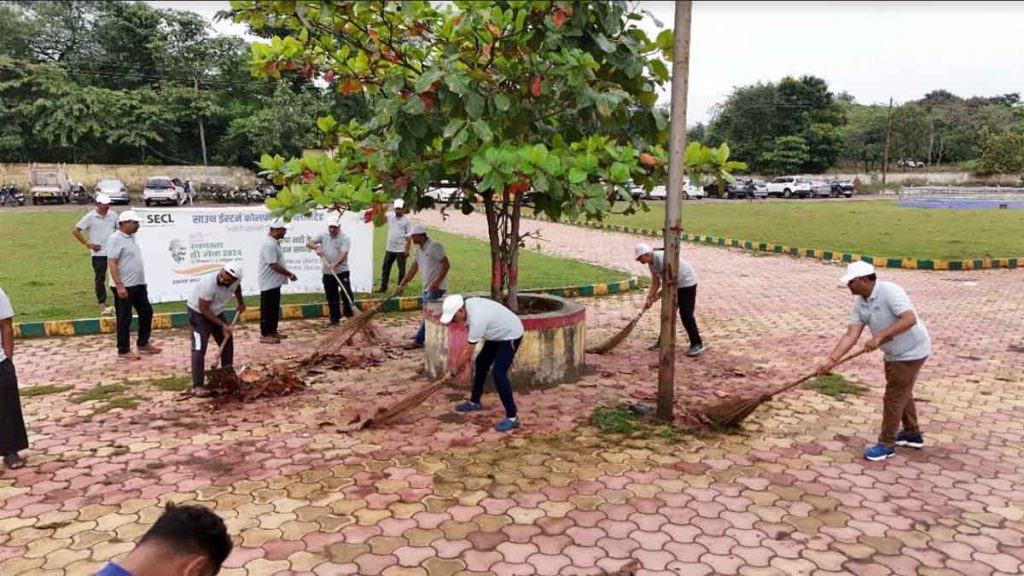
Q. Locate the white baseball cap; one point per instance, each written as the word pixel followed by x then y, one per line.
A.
pixel 417 229
pixel 279 223
pixel 451 305
pixel 334 220
pixel 102 198
pixel 128 216
pixel 857 269
pixel 641 249
pixel 399 203
pixel 235 269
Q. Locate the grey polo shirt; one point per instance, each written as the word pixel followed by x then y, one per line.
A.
pixel 489 321
pixel 881 310
pixel 686 276
pixel 100 228
pixel 125 250
pixel 398 229
pixel 6 311
pixel 333 247
pixel 270 253
pixel 211 290
pixel 428 259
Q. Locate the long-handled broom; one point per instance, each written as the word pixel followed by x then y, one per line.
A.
pixel 731 413
pixel 617 338
pixel 385 415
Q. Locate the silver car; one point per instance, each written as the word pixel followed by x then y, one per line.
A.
pixel 115 189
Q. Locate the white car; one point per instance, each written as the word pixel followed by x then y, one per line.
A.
pixel 689 191
pixel 113 188
pixel 442 193
pixel 162 190
pixel 789 186
pixel 821 189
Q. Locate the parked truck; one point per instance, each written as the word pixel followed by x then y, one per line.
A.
pixel 49 184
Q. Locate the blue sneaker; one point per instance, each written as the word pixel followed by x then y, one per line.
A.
pixel 506 425
pixel 910 439
pixel 468 406
pixel 879 452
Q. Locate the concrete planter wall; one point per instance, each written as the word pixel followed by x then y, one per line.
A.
pixel 552 351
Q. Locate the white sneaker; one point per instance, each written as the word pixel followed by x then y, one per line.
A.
pixel 106 311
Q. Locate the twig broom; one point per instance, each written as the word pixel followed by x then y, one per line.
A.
pixel 617 338
pixel 386 415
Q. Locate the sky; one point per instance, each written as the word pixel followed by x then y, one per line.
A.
pixel 873 50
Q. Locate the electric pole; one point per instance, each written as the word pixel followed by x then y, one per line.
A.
pixel 888 137
pixel 673 210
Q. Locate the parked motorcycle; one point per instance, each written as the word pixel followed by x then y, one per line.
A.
pixel 10 195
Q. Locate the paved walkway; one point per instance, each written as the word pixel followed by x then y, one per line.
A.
pixel 441 494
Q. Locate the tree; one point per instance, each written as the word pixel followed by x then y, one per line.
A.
pixel 1001 153
pixel 702 160
pixel 536 105
pixel 789 155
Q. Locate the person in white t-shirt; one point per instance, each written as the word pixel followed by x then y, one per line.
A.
pixel 100 223
pixel 207 317
pixel 686 292
pixel 501 331
pixel 13 436
pixel 397 249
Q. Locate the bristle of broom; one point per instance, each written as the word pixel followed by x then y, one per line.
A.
pixel 405 404
pixel 615 340
pixel 731 413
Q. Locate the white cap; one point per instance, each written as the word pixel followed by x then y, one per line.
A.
pixel 451 305
pixel 399 203
pixel 641 249
pixel 235 269
pixel 856 269
pixel 102 198
pixel 334 220
pixel 279 223
pixel 128 216
pixel 417 229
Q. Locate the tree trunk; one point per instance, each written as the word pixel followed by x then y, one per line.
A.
pixel 202 130
pixel 494 240
pixel 513 256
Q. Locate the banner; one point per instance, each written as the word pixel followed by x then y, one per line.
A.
pixel 181 245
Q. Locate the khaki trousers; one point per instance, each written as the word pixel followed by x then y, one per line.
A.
pixel 898 405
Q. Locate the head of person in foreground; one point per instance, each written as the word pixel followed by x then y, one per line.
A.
pixel 184 541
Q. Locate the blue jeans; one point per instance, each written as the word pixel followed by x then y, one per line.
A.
pixel 428 297
pixel 499 355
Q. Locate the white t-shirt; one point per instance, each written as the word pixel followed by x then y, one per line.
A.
pixel 880 310
pixel 490 321
pixel 126 251
pixel 333 246
pixel 686 276
pixel 270 253
pixel 428 259
pixel 211 290
pixel 398 229
pixel 100 228
pixel 6 311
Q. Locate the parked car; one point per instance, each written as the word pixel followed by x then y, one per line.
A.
pixel 443 193
pixel 49 184
pixel 760 188
pixel 113 188
pixel 789 186
pixel 841 188
pixel 689 191
pixel 746 189
pixel 910 163
pixel 820 189
pixel 162 190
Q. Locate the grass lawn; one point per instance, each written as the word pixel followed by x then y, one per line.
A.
pixel 48 275
pixel 872 227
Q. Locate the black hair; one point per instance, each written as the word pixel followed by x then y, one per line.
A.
pixel 192 530
pixel 871 277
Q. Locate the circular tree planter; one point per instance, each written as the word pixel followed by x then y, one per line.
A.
pixel 552 351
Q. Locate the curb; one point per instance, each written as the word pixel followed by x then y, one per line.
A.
pixel 829 255
pixel 107 325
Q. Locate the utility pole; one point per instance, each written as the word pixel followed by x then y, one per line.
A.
pixel 888 137
pixel 674 209
pixel 202 130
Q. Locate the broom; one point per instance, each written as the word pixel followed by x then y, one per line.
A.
pixel 385 415
pixel 731 413
pixel 618 337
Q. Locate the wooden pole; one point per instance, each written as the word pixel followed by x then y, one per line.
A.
pixel 673 210
pixel 888 137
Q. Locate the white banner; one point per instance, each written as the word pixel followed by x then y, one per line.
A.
pixel 180 245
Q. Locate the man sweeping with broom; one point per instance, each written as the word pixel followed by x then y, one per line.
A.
pixel 686 284
pixel 206 317
pixel 895 328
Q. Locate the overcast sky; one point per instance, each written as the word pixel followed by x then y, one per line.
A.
pixel 873 50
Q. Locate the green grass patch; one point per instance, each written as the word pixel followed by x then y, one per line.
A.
pixel 104 392
pixel 43 390
pixel 836 386
pixel 48 275
pixel 173 383
pixel 873 227
pixel 621 421
pixel 126 402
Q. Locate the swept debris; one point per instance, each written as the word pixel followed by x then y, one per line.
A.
pixel 278 379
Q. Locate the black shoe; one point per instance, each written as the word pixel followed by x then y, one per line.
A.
pixel 655 346
pixel 695 350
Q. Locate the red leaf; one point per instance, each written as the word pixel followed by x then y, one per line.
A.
pixel 429 102
pixel 329 76
pixel 494 29
pixel 368 150
pixel 308 176
pixel 289 65
pixel 351 86
pixel 648 160
pixel 559 17
pixel 535 86
pixel 374 35
pixel 307 71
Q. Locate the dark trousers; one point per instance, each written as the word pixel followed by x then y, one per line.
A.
pixel 898 402
pixel 202 329
pixel 13 437
pixel 270 311
pixel 428 297
pixel 138 299
pixel 99 278
pixel 496 357
pixel 335 295
pixel 687 298
pixel 385 273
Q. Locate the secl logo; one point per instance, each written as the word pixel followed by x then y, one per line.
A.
pixel 166 218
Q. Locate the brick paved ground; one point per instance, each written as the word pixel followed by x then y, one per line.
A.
pixel 440 494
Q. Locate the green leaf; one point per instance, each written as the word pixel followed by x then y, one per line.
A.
pixel 474 104
pixel 453 127
pixel 326 124
pixel 604 43
pixel 723 153
pixel 659 69
pixel 273 204
pixel 483 131
pixel 576 175
pixel 619 172
pixel 460 138
pixel 553 165
pixel 502 102
pixel 535 155
pixel 458 83
pixel 414 105
pixel 285 197
pixel 362 196
pixel 481 166
pixel 426 79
